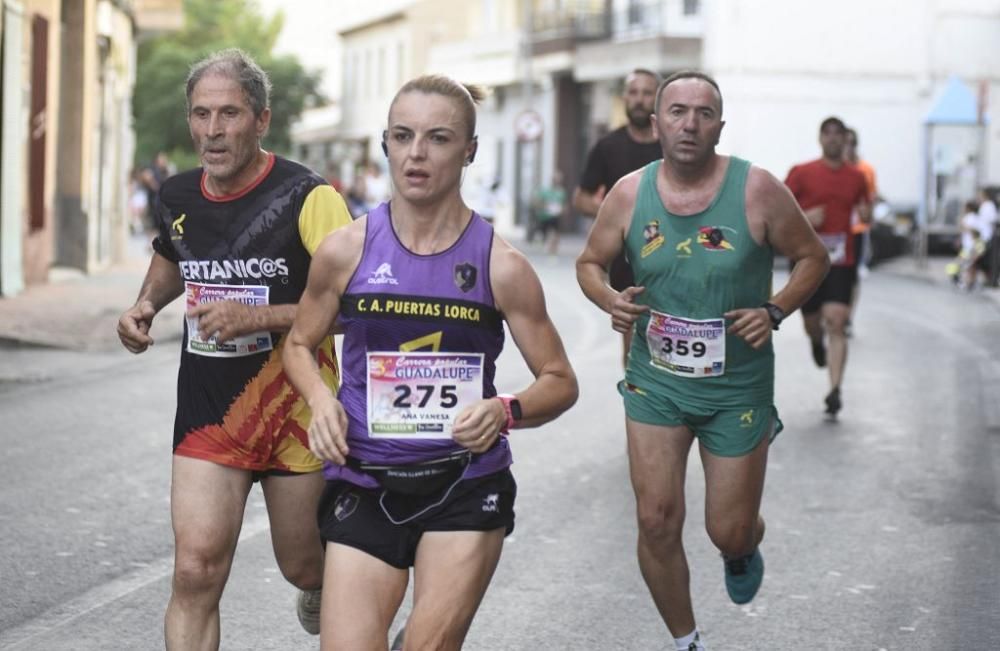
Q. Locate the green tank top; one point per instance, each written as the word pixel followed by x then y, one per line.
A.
pixel 695 268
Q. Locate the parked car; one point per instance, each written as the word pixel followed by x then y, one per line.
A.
pixel 892 232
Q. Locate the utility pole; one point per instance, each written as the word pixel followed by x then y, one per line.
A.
pixel 528 129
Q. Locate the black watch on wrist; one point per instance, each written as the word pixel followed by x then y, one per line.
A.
pixel 776 313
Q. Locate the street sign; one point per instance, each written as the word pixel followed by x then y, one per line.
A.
pixel 528 125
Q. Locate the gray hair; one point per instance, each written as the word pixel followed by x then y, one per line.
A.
pixel 239 66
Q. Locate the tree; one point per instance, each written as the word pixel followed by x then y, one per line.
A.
pixel 158 103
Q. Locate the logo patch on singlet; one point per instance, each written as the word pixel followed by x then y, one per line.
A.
pixel 465 276
pixel 654 239
pixel 683 248
pixel 713 238
pixel 177 226
pixel 383 275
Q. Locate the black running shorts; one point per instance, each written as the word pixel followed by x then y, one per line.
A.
pixel 353 516
pixel 837 287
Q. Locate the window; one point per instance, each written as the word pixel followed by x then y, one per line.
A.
pixel 353 74
pixel 691 7
pixel 368 74
pixel 490 17
pixel 400 64
pixel 635 12
pixel 381 72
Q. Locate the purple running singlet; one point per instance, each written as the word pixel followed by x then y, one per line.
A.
pixel 422 335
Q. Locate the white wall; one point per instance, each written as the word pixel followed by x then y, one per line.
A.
pixel 677 24
pixel 851 37
pixel 774 121
pixel 784 65
pixel 373 71
pixel 12 121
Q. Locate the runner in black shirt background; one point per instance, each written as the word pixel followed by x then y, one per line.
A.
pixel 615 155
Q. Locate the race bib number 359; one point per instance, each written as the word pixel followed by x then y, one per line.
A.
pixel 686 347
pixel 418 395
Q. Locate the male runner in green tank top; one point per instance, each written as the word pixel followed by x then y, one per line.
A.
pixel 700 230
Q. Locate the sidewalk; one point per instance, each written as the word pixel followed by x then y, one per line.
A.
pixel 75 311
pixel 933 271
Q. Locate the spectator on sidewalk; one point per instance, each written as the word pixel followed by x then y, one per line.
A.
pixel 138 204
pixel 550 206
pixel 376 184
pixel 987 225
pixel 356 193
pixel 153 176
pixel 489 201
pixel 961 270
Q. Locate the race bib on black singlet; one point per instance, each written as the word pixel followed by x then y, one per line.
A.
pixel 251 344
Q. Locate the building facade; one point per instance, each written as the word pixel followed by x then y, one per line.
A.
pixel 880 66
pixel 381 47
pixel 553 69
pixel 67 140
pixel 557 66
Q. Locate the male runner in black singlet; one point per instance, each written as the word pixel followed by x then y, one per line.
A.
pixel 622 151
pixel 236 238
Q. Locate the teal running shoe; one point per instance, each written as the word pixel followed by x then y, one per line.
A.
pixel 743 576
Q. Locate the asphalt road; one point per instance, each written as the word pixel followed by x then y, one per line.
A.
pixel 882 528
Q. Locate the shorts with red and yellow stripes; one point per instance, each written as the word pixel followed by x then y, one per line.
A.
pixel 265 427
pixel 279 450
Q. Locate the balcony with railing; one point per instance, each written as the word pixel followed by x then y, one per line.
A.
pixel 570 24
pixel 657 34
pixel 637 20
pixel 562 28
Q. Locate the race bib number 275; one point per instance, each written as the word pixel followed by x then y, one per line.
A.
pixel 418 395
